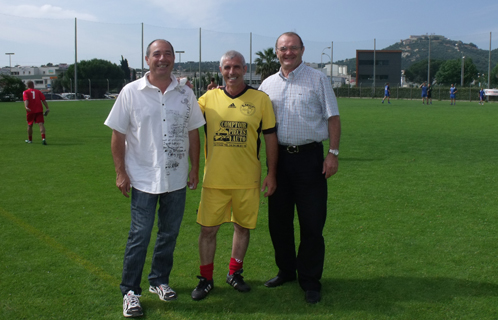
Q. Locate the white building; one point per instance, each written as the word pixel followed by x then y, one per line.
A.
pixel 41 76
pixel 340 74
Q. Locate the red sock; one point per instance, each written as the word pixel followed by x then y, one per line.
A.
pixel 30 138
pixel 207 271
pixel 43 136
pixel 235 265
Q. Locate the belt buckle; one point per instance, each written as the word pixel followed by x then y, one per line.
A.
pixel 293 149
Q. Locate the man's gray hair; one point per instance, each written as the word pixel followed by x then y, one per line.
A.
pixel 229 55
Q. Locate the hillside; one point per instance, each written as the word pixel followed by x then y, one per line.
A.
pixel 416 48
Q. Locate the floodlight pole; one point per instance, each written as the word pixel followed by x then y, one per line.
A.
pixel 373 93
pixel 462 71
pixel 250 59
pixel 10 61
pixel 179 66
pixel 331 63
pixel 321 64
pixel 142 56
pixel 489 64
pixel 429 63
pixel 75 58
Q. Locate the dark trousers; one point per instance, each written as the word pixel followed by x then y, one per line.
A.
pixel 301 185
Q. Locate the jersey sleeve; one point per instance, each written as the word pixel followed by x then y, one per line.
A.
pixel 268 114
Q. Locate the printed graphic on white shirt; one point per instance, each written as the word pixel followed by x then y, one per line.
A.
pixel 177 132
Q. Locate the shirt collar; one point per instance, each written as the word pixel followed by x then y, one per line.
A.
pixel 144 82
pixel 293 73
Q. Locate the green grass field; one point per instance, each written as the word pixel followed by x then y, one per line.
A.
pixel 411 230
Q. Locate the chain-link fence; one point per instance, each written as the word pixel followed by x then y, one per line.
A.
pixel 42 42
pixel 439 93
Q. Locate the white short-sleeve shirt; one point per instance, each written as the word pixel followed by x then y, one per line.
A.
pixel 156 126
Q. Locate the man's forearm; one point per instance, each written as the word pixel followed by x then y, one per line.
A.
pixel 334 124
pixel 118 148
pixel 195 148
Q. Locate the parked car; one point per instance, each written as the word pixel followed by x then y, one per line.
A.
pixel 54 96
pixel 111 95
pixel 70 96
pixel 9 97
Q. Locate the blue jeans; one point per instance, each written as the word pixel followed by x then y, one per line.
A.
pixel 143 212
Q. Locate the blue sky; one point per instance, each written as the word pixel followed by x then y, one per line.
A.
pixel 39 32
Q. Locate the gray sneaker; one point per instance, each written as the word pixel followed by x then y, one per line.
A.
pixel 131 305
pixel 164 292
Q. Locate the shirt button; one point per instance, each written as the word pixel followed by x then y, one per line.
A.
pixel 164 119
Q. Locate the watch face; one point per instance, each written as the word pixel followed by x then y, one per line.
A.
pixel 335 152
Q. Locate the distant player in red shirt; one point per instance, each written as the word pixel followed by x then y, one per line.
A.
pixel 33 100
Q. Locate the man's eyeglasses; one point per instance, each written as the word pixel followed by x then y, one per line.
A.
pixel 292 49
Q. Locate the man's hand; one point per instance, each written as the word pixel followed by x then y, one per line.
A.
pixel 123 183
pixel 193 179
pixel 330 165
pixel 46 112
pixel 270 182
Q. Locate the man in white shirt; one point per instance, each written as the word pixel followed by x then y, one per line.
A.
pixel 155 123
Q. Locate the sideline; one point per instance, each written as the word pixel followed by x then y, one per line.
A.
pixel 51 242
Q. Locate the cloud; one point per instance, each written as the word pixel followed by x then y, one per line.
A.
pixel 45 11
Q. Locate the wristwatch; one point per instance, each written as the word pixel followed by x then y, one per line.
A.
pixel 335 152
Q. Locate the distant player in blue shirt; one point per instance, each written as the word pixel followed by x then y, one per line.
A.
pixel 424 93
pixel 387 93
pixel 481 96
pixel 453 92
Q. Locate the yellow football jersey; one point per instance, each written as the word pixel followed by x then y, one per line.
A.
pixel 232 137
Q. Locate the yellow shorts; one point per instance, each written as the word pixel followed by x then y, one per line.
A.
pixel 217 205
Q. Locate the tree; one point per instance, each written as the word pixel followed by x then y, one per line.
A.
pixel 125 68
pixel 451 70
pixel 96 74
pixel 417 72
pixel 11 85
pixel 494 77
pixel 266 63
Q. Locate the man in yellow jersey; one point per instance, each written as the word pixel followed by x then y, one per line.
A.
pixel 235 117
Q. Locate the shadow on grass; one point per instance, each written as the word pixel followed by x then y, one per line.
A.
pixel 376 296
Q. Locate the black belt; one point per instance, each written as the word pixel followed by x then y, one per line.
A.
pixel 301 148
